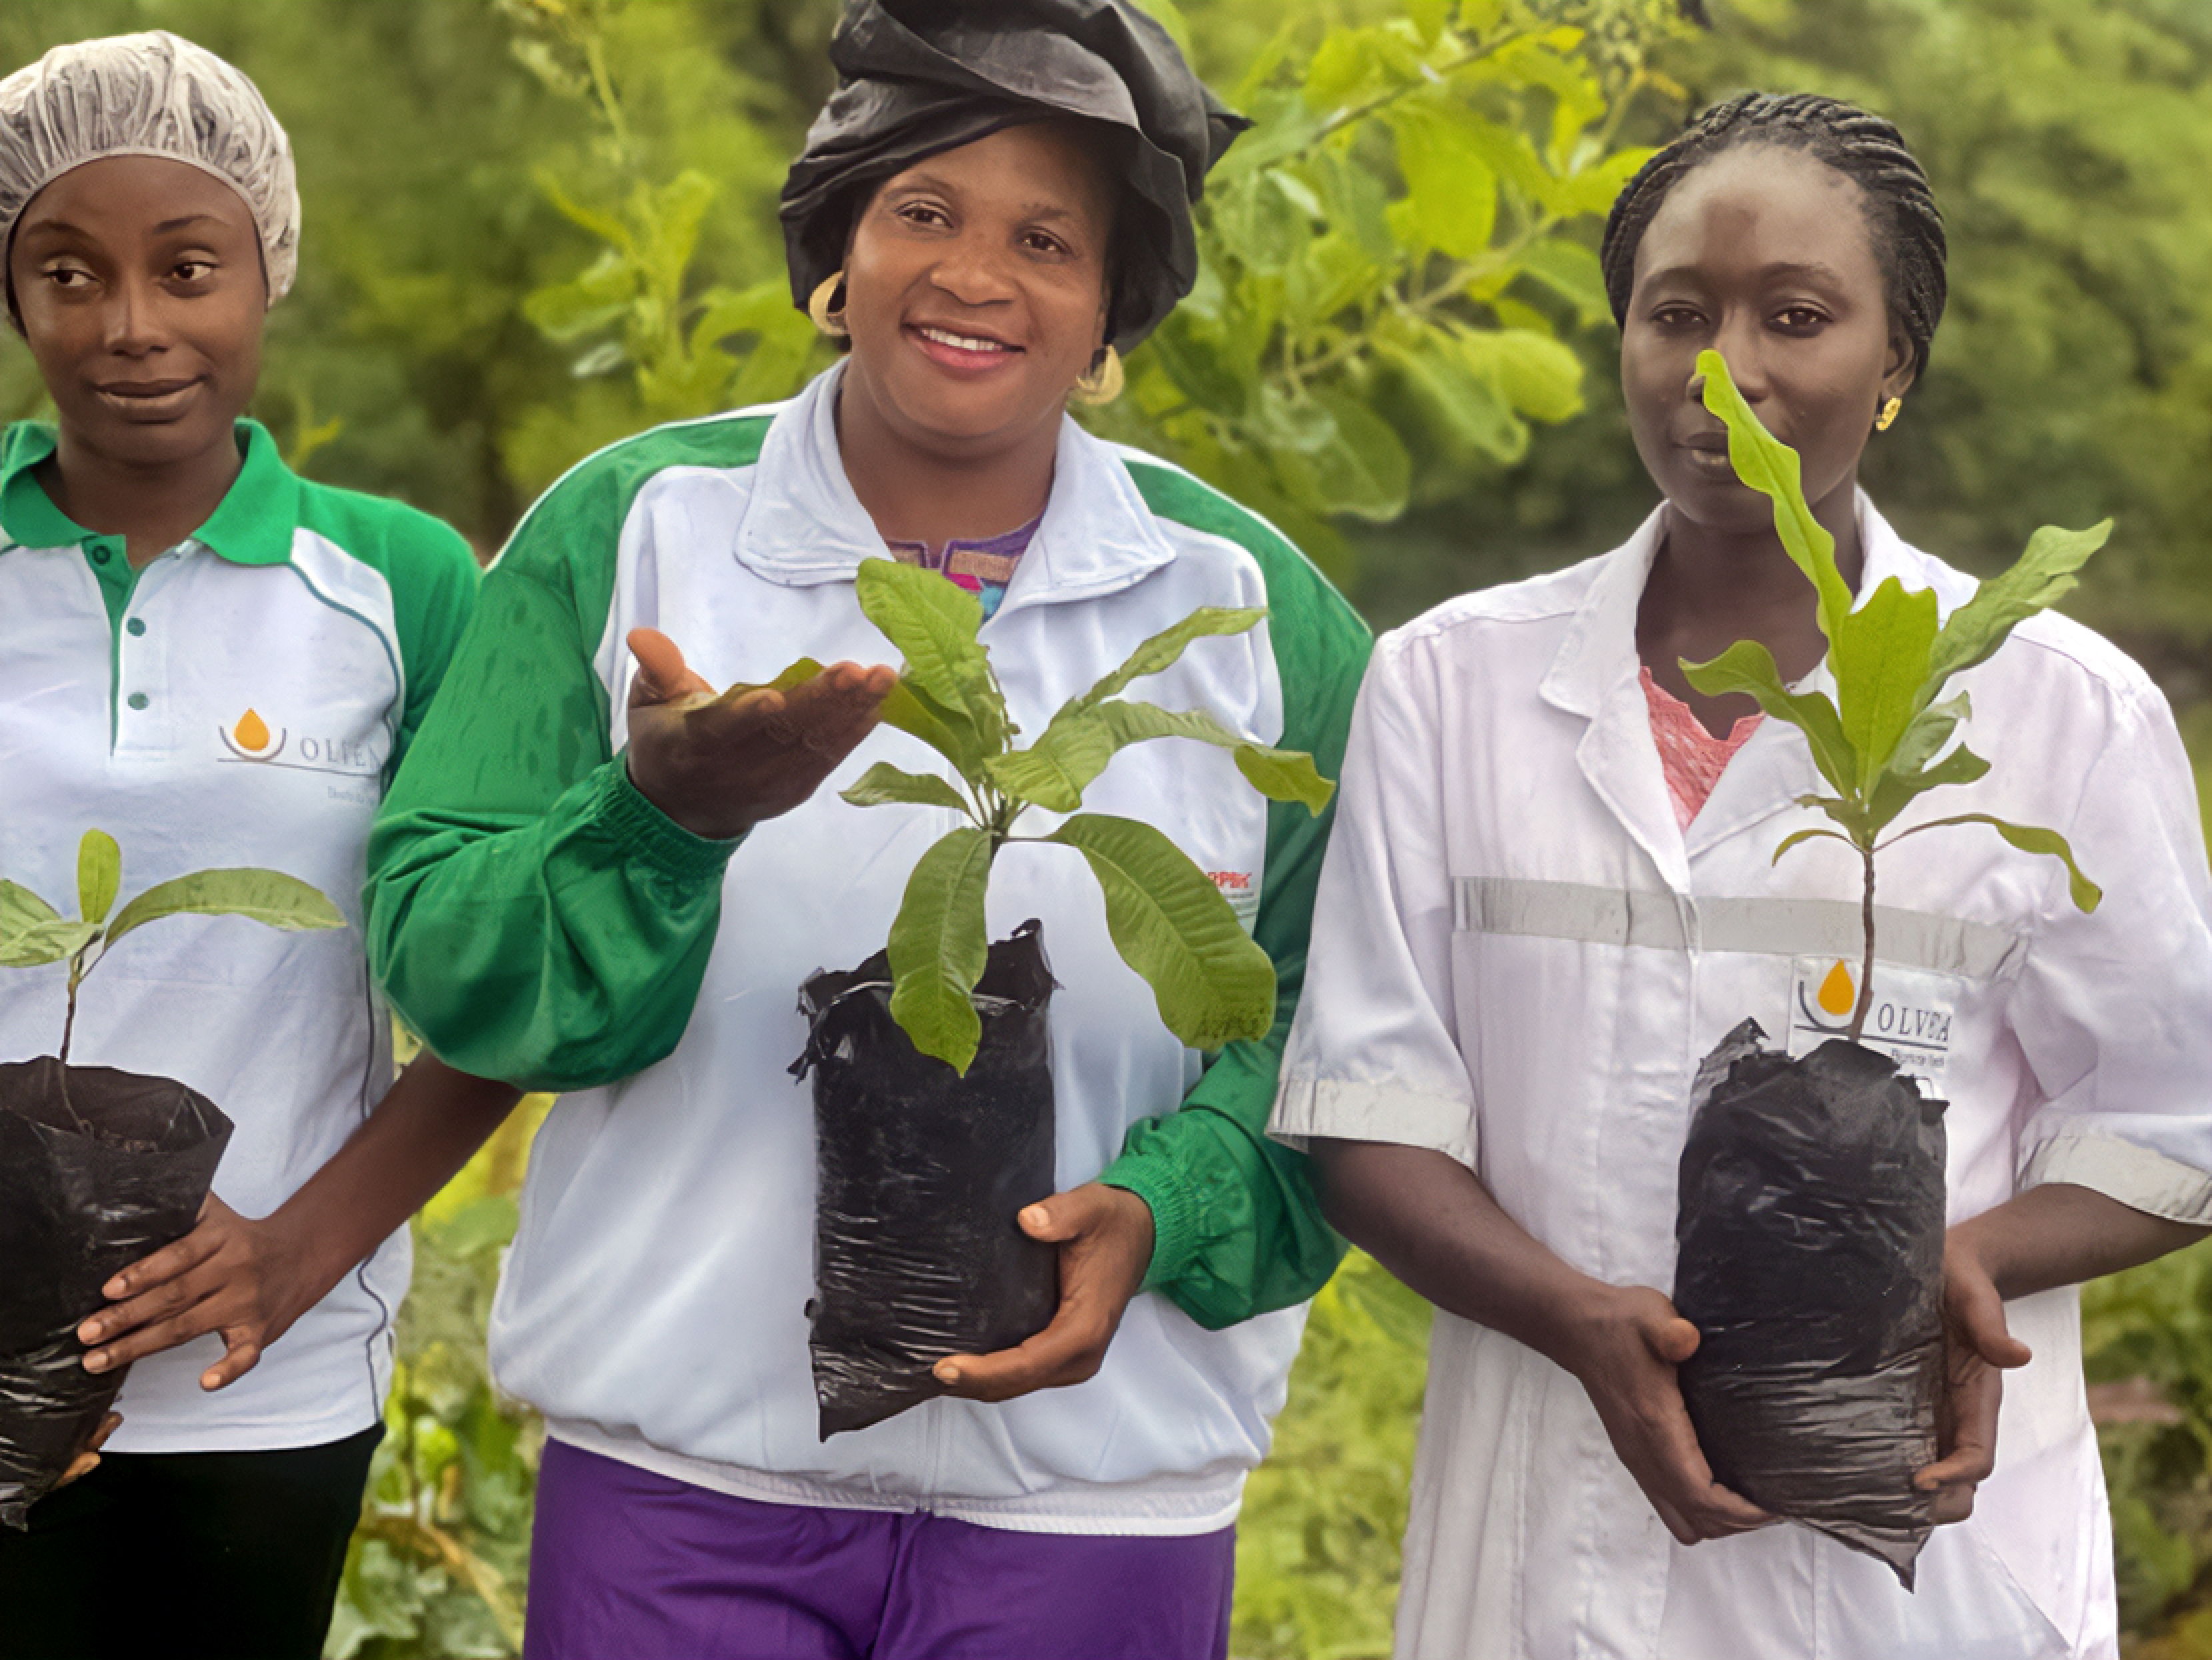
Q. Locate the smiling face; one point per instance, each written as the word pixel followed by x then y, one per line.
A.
pixel 976 288
pixel 138 287
pixel 1766 255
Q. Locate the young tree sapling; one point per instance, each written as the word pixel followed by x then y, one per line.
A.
pixel 1811 1189
pixel 1214 984
pixel 33 933
pixel 1880 741
pixel 933 1092
pixel 98 1167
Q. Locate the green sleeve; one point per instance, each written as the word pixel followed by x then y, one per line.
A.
pixel 431 571
pixel 532 915
pixel 1237 1228
pixel 434 593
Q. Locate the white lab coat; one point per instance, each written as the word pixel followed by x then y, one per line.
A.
pixel 1519 958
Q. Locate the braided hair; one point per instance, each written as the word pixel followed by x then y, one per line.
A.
pixel 1908 230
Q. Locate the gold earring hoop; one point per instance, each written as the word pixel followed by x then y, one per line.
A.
pixel 1887 418
pixel 1103 382
pixel 829 318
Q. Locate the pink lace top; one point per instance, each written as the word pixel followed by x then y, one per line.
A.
pixel 1692 757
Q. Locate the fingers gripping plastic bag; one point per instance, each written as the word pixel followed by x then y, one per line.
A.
pixel 98 1167
pixel 921 1171
pixel 1810 1237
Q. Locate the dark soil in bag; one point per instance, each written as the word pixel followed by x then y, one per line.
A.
pixel 98 1167
pixel 1811 1259
pixel 916 1252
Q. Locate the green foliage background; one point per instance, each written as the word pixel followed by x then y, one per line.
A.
pixel 534 226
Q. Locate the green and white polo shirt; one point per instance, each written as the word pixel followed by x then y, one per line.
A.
pixel 242 700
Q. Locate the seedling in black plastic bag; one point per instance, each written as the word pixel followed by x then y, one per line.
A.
pixel 33 933
pixel 98 1167
pixel 1214 984
pixel 1881 742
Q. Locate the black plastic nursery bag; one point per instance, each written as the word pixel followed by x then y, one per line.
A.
pixel 98 1169
pixel 917 1255
pixel 1811 1261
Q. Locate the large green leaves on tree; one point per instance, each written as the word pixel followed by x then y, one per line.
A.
pixel 1390 251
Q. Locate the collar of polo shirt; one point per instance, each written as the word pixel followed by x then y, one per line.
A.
pixel 251 525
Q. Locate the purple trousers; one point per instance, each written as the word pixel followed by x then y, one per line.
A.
pixel 627 1563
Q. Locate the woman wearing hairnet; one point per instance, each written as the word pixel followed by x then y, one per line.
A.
pixel 219 663
pixel 596 875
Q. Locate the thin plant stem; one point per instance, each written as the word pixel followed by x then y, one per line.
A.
pixel 1866 964
pixel 68 1020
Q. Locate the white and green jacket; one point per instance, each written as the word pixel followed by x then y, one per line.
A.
pixel 242 700
pixel 536 918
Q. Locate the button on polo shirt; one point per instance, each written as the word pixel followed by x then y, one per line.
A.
pixel 239 701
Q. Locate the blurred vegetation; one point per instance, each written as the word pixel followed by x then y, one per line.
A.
pixel 535 226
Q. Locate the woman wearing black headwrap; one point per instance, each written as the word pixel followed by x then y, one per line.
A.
pixel 998 193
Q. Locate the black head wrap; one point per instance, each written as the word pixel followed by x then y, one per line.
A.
pixel 922 76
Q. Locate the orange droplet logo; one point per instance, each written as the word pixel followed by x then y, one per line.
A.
pixel 1838 993
pixel 251 733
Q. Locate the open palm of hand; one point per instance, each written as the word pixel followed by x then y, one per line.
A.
pixel 718 763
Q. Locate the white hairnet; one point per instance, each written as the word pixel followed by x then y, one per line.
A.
pixel 150 95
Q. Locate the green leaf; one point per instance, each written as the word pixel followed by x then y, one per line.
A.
pixel 21 908
pixel 933 623
pixel 1052 772
pixel 1056 770
pixel 939 945
pixel 1214 986
pixel 950 732
pixel 1813 835
pixel 1164 650
pixel 798 674
pixel 1930 730
pixel 99 874
pixel 1748 666
pixel 1541 378
pixel 32 932
pixel 1897 788
pixel 1571 271
pixel 1356 205
pixel 45 942
pixel 267 896
pixel 602 294
pixel 1366 471
pixel 1202 368
pixel 1263 218
pixel 2087 895
pixel 1468 406
pixel 1770 466
pixel 1880 656
pixel 604 225
pixel 1451 195
pixel 1284 775
pixel 2040 577
pixel 884 785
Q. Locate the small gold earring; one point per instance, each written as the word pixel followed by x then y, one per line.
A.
pixel 1889 416
pixel 829 320
pixel 1103 381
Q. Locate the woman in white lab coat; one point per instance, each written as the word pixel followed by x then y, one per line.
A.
pixel 1551 891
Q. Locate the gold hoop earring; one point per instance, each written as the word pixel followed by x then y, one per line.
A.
pixel 1883 422
pixel 1103 382
pixel 829 318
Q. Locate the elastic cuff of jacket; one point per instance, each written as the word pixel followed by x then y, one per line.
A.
pixel 643 828
pixel 1174 1213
